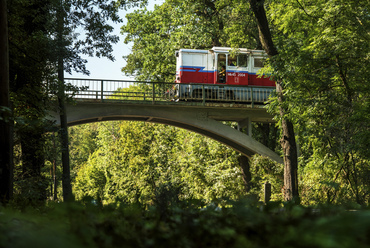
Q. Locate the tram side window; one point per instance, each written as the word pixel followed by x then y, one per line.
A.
pixel 243 60
pixel 232 61
pixel 258 62
pixel 240 60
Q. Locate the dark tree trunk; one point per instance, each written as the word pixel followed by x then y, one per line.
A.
pixel 288 140
pixel 32 144
pixel 55 182
pixel 245 166
pixel 6 136
pixel 289 146
pixel 63 132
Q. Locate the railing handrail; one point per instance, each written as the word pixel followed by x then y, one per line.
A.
pixel 120 90
pixel 116 80
pixel 172 83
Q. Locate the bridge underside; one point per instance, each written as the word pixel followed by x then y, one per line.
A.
pixel 201 119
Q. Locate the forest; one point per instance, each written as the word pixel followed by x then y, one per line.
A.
pixel 138 184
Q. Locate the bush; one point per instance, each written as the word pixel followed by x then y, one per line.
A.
pixel 244 223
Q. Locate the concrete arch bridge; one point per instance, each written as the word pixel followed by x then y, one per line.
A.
pixel 200 116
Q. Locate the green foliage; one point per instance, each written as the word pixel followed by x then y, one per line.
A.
pixel 243 224
pixel 28 67
pixel 133 159
pixel 323 57
pixel 83 143
pixel 157 34
pixel 264 170
pixel 36 43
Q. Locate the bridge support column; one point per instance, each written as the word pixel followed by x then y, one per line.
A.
pixel 246 123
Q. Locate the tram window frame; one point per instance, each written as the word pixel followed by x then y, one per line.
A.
pixel 240 60
pixel 259 62
pixel 233 60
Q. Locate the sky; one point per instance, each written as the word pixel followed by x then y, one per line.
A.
pixel 103 68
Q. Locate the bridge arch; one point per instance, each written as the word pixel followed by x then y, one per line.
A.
pixel 200 119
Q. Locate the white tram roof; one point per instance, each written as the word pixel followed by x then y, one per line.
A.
pixel 193 51
pixel 224 50
pixel 241 50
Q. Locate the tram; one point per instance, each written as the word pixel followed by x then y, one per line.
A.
pixel 217 75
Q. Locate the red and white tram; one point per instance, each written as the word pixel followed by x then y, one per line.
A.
pixel 217 75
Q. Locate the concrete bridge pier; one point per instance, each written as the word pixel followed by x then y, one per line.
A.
pixel 247 124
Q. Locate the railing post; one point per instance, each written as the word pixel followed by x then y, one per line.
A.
pixel 153 94
pixel 102 90
pixel 252 97
pixel 203 95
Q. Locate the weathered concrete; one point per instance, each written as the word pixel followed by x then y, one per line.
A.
pixel 205 120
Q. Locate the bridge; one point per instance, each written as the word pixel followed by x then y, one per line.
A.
pixel 104 100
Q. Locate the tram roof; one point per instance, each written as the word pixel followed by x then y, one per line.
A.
pixel 193 51
pixel 224 50
pixel 242 50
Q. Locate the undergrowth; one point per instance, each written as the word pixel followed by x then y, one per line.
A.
pixel 242 223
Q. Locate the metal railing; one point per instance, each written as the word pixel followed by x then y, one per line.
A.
pixel 152 92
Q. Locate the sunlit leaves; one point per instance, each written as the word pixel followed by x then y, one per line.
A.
pixel 133 159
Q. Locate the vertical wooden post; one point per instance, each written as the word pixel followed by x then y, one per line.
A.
pixel 267 192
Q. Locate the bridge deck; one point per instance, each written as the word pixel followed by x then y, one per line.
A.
pixel 199 116
pixel 216 111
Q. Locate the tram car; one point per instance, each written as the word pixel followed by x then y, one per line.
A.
pixel 217 75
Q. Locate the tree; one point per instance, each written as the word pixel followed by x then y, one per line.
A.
pixel 5 110
pixel 38 47
pixel 92 17
pixel 287 141
pixel 325 50
pixel 29 55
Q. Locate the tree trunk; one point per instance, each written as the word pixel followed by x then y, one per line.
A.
pixel 63 132
pixel 55 182
pixel 66 174
pixel 288 139
pixel 289 146
pixel 32 143
pixel 6 136
pixel 245 166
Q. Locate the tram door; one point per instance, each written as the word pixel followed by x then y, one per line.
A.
pixel 221 77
